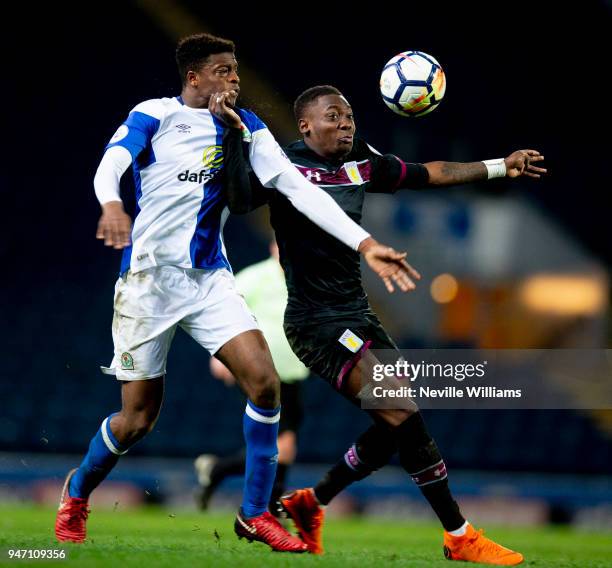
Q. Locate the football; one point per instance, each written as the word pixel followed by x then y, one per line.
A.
pixel 412 83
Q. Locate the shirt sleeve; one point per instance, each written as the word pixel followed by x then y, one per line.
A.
pixel 319 207
pixel 274 169
pixel 267 157
pixel 138 129
pixel 130 139
pixel 390 173
pixel 107 181
pixel 259 194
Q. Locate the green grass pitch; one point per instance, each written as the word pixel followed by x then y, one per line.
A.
pixel 159 537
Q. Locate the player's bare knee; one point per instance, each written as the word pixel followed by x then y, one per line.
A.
pixel 265 389
pixel 141 426
pixel 137 425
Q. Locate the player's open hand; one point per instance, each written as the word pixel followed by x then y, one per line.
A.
pixel 221 105
pixel 520 163
pixel 115 225
pixel 390 265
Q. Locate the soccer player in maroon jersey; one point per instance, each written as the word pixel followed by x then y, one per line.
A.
pixel 329 323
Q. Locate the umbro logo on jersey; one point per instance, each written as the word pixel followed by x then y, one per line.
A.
pixel 184 128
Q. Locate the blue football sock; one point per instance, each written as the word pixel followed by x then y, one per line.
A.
pixel 103 454
pixel 260 427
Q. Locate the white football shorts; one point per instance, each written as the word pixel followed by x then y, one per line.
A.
pixel 149 305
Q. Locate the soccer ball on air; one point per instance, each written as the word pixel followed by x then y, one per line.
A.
pixel 412 83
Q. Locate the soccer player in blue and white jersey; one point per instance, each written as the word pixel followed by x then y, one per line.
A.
pixel 175 272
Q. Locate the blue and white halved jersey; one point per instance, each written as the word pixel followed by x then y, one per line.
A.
pixel 177 159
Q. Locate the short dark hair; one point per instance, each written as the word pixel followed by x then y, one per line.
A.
pixel 309 96
pixel 193 51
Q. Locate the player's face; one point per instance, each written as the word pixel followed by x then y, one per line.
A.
pixel 218 74
pixel 328 126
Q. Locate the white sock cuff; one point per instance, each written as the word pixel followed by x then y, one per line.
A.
pixel 254 415
pixel 460 531
pixel 107 439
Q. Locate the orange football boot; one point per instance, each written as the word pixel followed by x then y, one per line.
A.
pixel 473 546
pixel 304 509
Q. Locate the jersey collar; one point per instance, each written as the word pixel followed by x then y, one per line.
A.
pixel 300 148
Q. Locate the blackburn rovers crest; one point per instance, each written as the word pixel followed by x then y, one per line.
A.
pixel 127 361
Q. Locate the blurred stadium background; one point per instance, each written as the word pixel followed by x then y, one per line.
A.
pixel 519 264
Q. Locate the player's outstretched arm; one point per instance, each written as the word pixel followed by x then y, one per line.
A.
pixel 516 164
pixel 389 264
pixel 322 210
